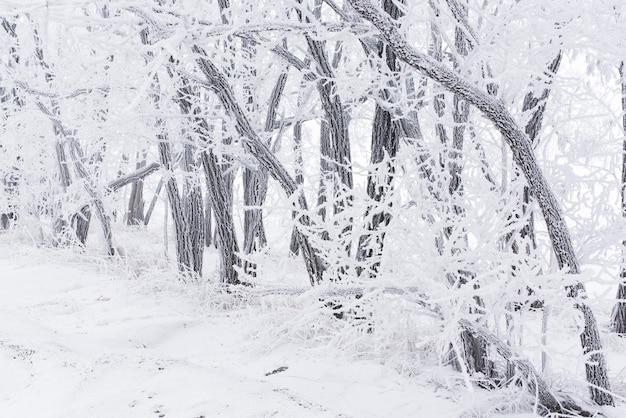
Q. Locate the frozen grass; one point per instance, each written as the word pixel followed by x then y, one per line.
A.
pixel 85 335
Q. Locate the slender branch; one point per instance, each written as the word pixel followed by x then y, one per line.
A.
pixel 140 174
pixel 24 86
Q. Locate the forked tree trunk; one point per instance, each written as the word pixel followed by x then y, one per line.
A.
pixel 225 234
pixel 218 191
pixel 516 138
pixel 91 188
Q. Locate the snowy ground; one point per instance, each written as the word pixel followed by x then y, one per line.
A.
pixel 78 342
pixel 78 338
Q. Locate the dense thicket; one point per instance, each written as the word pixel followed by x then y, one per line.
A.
pixel 469 151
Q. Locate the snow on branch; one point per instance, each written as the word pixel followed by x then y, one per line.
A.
pixel 24 86
pixel 143 172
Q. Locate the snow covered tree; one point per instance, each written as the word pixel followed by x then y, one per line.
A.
pixel 618 317
pixel 524 157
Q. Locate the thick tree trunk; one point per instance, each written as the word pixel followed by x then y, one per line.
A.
pixel 327 187
pixel 222 209
pixel 187 212
pixel 255 191
pixel 184 249
pixel 193 206
pixel 534 105
pixel 208 223
pixel 524 157
pixel 384 147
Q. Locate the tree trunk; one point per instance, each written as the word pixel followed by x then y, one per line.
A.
pixel 385 143
pixel 255 186
pixel 219 193
pixel 226 239
pixel 294 248
pixel 184 251
pixel 91 188
pixel 618 316
pixel 335 149
pixel 193 206
pixel 135 211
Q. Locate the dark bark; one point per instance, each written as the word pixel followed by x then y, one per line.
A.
pixel 255 186
pixel 294 248
pixel 516 138
pixel 135 210
pixel 193 205
pixel 60 223
pixel 81 222
pixel 184 249
pixel 536 385
pixel 453 238
pixel 226 238
pixel 327 185
pixel 336 171
pixel 535 105
pixel 217 83
pixel 208 223
pixel 187 210
pixel 10 182
pixel 218 191
pixel 384 147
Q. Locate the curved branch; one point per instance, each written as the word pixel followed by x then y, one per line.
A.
pixel 521 148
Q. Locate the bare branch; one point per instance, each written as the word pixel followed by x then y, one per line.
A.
pixel 140 174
